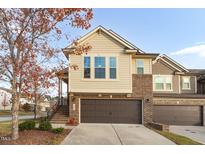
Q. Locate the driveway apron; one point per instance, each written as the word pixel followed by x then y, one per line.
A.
pixel 114 134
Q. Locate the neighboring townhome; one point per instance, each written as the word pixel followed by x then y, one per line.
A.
pixel 177 100
pixel 116 82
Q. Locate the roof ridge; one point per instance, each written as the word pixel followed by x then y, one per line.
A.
pixel 172 60
pixel 113 32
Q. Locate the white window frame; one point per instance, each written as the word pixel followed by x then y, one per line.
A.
pixel 116 76
pixel 154 86
pixel 84 67
pixel 140 67
pixel 189 78
pixel 107 68
pixel 102 67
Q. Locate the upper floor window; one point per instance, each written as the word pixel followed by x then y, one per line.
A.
pixel 100 67
pixel 140 66
pixel 86 67
pixel 185 82
pixel 163 83
pixel 113 71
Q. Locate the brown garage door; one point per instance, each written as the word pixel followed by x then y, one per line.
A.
pixel 111 111
pixel 178 115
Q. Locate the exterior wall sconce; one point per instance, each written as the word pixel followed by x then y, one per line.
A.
pixel 99 95
pixel 73 98
pixel 110 96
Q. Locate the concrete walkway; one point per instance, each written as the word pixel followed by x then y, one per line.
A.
pixel 114 134
pixel 196 133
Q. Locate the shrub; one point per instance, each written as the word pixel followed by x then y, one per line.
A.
pixel 45 125
pixel 27 125
pixel 26 107
pixel 58 130
pixel 42 119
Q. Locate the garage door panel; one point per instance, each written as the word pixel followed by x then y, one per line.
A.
pixel 178 115
pixel 111 111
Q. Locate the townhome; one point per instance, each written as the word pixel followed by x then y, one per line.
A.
pixel 116 82
pixel 177 93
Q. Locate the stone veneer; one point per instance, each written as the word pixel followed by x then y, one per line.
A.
pixel 142 89
pixel 178 101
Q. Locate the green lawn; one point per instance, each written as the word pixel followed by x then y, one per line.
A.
pixel 178 139
pixel 5 128
pixel 8 113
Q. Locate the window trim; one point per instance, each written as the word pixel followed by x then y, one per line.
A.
pixel 109 57
pixel 101 67
pixel 85 67
pixel 92 60
pixel 158 90
pixel 183 88
pixel 136 66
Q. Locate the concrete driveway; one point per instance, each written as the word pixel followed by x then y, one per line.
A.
pixel 196 133
pixel 114 134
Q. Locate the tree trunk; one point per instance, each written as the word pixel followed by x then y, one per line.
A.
pixel 35 106
pixel 15 109
pixel 35 111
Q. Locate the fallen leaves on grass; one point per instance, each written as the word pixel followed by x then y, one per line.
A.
pixel 37 137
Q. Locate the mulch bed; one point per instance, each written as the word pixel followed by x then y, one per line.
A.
pixel 35 137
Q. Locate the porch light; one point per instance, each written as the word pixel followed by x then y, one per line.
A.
pixel 99 95
pixel 147 100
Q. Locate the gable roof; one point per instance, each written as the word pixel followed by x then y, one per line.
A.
pixel 113 35
pixel 169 61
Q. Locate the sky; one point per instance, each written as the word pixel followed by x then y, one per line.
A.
pixel 179 33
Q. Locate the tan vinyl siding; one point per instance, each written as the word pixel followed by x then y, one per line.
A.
pixel 102 45
pixel 147 65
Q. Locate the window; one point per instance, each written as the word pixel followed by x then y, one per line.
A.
pixel 113 68
pixel 86 67
pixel 163 83
pixel 185 82
pixel 140 66
pixel 100 67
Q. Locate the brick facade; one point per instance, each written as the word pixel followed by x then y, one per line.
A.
pixel 142 90
pixel 204 115
pixel 74 107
